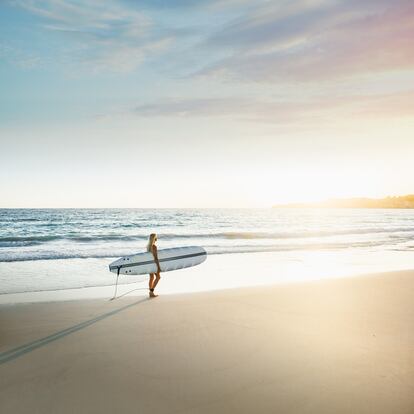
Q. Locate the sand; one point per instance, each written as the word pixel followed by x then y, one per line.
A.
pixel 331 346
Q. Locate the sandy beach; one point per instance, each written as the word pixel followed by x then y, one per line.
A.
pixel 249 162
pixel 340 345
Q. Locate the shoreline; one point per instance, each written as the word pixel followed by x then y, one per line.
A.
pixel 334 345
pixel 217 273
pixel 105 293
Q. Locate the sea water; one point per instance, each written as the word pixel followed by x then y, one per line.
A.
pixel 53 249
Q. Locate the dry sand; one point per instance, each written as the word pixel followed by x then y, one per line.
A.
pixel 332 346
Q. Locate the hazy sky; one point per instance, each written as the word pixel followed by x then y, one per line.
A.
pixel 204 103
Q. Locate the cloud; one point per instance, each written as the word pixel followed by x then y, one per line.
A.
pixel 259 41
pixel 284 111
pixel 19 57
pixel 192 4
pixel 104 36
pixel 197 107
pixel 305 41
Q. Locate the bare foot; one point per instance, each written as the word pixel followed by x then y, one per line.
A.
pixel 152 295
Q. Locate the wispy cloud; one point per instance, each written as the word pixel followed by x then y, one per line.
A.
pixel 105 35
pixel 280 44
pixel 18 57
pixel 305 41
pixel 260 41
pixel 284 111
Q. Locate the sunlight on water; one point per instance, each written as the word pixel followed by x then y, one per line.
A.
pixel 62 249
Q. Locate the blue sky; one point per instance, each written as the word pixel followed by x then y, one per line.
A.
pixel 204 103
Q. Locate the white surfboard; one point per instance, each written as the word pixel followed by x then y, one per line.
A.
pixel 170 259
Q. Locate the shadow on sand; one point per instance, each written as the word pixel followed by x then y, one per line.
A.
pixel 31 346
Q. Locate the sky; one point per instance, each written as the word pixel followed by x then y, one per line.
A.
pixel 222 103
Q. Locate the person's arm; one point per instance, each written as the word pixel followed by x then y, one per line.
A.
pixel 155 254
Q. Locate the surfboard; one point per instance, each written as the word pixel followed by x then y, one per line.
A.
pixel 170 259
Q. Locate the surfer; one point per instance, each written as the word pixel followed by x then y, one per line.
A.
pixel 154 277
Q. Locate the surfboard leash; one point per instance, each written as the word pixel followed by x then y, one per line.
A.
pixel 116 284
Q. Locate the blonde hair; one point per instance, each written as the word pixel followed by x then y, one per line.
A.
pixel 151 241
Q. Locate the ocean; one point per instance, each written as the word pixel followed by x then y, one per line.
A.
pixel 52 249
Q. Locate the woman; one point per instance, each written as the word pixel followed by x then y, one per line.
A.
pixel 154 277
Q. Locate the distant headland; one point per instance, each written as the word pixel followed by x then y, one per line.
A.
pixel 388 202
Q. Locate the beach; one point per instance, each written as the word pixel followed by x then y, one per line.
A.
pixel 206 207
pixel 336 345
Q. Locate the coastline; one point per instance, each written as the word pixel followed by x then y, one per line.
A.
pixel 218 272
pixel 335 345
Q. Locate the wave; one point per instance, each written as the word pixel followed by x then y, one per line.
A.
pixel 9 241
pixel 19 220
pixel 211 250
pixel 56 256
pixel 33 240
pixel 309 234
pixel 28 238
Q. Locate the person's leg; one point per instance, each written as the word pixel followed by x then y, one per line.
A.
pixel 151 283
pixel 157 279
